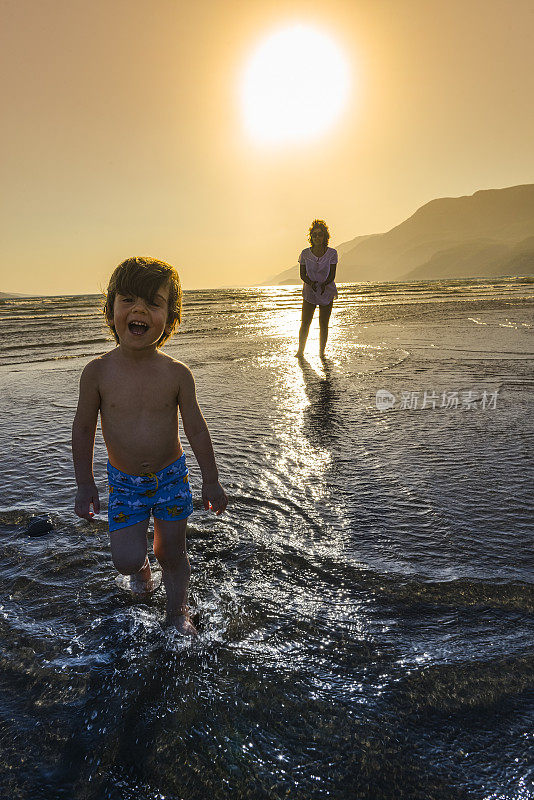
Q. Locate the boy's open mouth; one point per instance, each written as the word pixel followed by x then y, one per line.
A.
pixel 137 328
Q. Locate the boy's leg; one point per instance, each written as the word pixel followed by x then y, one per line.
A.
pixel 170 550
pixel 128 551
pixel 308 311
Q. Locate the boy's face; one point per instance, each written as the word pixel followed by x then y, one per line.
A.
pixel 140 324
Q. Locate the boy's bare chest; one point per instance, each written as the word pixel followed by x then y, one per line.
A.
pixel 128 395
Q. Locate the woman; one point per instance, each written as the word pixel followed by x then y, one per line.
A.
pixel 317 271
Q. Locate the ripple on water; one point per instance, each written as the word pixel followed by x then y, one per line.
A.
pixel 364 608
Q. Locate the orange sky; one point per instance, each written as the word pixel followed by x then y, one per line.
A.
pixel 122 132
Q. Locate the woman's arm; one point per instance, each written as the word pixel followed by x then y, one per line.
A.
pixel 305 279
pixel 330 278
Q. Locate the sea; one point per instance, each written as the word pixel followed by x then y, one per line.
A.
pixel 365 605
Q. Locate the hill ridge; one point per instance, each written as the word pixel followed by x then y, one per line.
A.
pixel 442 239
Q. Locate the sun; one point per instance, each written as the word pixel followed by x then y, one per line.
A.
pixel 294 86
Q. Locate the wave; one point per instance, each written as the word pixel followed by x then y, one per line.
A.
pixel 208 313
pixel 63 357
pixel 60 343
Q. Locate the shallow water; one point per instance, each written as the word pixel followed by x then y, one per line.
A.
pixel 365 606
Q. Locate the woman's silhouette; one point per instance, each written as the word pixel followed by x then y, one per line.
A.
pixel 317 271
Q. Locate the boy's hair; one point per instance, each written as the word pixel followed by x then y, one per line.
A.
pixel 142 276
pixel 319 223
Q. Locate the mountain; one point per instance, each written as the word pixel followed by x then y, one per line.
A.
pixel 467 260
pixel 486 234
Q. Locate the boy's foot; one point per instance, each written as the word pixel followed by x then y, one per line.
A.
pixel 132 585
pixel 299 354
pixel 181 620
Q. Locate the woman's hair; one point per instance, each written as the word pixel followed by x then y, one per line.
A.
pixel 142 276
pixel 319 223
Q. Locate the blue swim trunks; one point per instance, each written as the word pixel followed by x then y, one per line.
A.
pixel 165 494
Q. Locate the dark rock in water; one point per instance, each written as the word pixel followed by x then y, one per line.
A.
pixel 40 524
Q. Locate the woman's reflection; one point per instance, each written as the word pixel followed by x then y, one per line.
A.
pixel 320 417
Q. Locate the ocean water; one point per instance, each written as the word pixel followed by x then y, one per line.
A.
pixel 365 605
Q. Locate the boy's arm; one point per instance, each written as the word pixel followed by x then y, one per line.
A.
pixel 83 440
pixel 199 438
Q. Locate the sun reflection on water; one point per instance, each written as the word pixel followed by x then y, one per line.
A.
pixel 300 455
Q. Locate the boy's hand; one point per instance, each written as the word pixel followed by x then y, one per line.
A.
pixel 213 494
pixel 86 496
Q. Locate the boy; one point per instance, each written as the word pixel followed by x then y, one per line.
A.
pixel 138 391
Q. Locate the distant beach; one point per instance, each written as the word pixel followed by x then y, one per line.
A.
pixel 365 606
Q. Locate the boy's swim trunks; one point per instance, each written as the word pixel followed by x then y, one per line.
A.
pixel 165 494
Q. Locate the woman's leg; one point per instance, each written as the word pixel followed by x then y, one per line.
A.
pixel 324 319
pixel 170 550
pixel 308 311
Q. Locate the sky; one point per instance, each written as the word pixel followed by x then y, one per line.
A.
pixel 124 130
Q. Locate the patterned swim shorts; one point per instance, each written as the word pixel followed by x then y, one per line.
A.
pixel 165 494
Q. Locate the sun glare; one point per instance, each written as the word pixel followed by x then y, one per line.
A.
pixel 294 86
